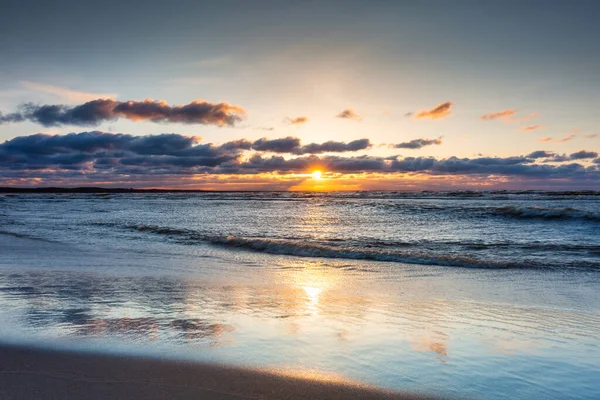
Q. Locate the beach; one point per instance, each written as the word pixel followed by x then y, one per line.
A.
pixel 34 373
pixel 501 302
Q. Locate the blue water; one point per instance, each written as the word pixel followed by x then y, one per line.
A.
pixel 483 295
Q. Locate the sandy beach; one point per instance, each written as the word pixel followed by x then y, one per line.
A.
pixel 29 373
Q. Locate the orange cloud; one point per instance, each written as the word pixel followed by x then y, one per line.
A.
pixel 438 112
pixel 552 140
pixel 506 114
pixel 349 114
pixel 531 128
pixel 297 120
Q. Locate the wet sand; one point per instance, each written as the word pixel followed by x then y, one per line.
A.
pixel 34 373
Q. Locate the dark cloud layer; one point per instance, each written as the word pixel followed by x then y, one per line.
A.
pixel 106 157
pixel 104 150
pixel 98 111
pixel 550 156
pixel 292 145
pixel 418 143
pixel 334 147
pixel 582 155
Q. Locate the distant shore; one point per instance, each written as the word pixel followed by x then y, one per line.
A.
pixel 35 373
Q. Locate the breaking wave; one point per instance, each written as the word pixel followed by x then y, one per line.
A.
pixel 310 249
pixel 548 213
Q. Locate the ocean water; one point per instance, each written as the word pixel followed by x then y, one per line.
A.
pixel 466 294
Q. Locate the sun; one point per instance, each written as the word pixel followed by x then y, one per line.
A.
pixel 317 175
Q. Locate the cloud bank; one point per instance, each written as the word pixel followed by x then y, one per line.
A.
pixel 106 157
pixel 98 111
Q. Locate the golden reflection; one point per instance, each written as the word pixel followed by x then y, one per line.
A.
pixel 313 293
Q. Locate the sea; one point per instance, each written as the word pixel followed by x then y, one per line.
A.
pixel 482 295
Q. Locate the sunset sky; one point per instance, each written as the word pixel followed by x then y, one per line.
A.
pixel 386 95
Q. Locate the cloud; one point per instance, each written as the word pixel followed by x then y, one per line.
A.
pixel 438 112
pixel 592 136
pixel 94 157
pixel 550 156
pixel 297 120
pixel 418 143
pixel 582 155
pixel 506 115
pixel 64 93
pixel 531 128
pixel 349 114
pixel 552 140
pixel 293 145
pixel 284 145
pixel 541 154
pixel 98 111
pixel 334 147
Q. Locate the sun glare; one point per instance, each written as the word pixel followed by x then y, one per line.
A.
pixel 317 175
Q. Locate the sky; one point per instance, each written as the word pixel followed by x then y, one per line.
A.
pixel 257 95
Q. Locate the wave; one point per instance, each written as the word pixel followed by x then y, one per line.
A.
pixel 283 247
pixel 24 236
pixel 310 249
pixel 548 213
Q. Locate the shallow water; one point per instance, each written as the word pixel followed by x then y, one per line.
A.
pixel 493 296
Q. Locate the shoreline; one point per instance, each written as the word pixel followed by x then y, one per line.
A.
pixel 44 373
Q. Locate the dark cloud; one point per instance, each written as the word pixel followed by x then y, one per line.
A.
pixel 418 143
pixel 349 114
pixel 107 149
pixel 334 147
pixel 540 154
pixel 14 117
pixel 292 145
pixel 582 155
pixel 438 112
pixel 241 144
pixel 106 157
pixel 283 145
pixel 98 111
pixel 553 157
